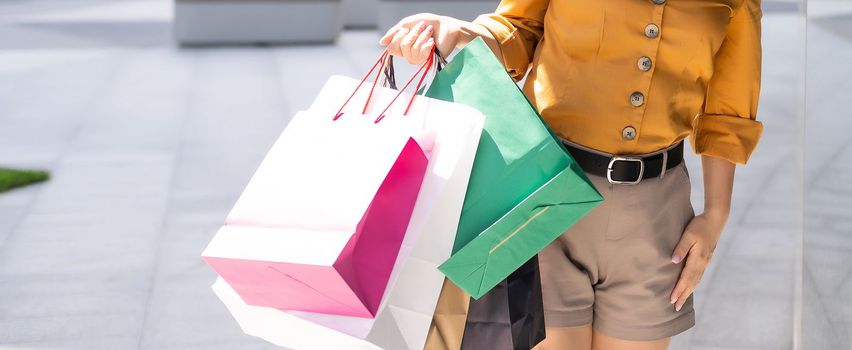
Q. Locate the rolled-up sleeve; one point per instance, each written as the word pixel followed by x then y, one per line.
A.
pixel 727 127
pixel 518 26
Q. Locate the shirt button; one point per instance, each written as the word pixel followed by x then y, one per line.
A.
pixel 659 2
pixel 644 63
pixel 628 133
pixel 652 30
pixel 637 99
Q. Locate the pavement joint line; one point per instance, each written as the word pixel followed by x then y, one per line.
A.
pixel 275 56
pixel 818 296
pixel 823 169
pixel 188 107
pixel 846 279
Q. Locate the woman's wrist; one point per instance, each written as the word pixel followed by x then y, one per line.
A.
pixel 718 187
pixel 469 31
pixel 717 213
pixel 465 31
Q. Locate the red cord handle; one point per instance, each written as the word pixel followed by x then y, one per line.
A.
pixel 427 65
pixel 382 59
pixel 424 68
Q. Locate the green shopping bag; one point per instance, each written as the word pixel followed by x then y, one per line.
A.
pixel 524 190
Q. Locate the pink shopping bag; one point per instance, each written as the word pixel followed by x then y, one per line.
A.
pixel 320 224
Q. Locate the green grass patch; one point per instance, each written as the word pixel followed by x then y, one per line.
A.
pixel 12 178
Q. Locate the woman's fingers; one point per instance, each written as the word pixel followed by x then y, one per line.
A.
pixel 405 23
pixel 408 41
pixel 683 298
pixel 417 56
pixel 410 38
pixel 393 46
pixel 687 284
pixel 426 49
pixel 690 276
pixel 681 286
pixel 385 40
pixel 686 242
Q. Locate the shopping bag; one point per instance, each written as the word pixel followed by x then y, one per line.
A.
pixel 281 328
pixel 510 316
pixel 525 190
pixel 447 328
pixel 403 320
pixel 320 224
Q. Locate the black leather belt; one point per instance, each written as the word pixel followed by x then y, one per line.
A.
pixel 618 169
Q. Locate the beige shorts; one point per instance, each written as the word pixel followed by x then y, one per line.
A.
pixel 613 269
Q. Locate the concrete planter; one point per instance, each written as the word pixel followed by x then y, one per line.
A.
pixel 257 21
pixel 360 13
pixel 391 11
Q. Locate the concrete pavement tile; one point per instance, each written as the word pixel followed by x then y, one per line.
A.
pixel 776 245
pixel 818 332
pixel 78 283
pixel 106 253
pixel 739 278
pixel 710 347
pixel 71 329
pixel 47 225
pixel 238 342
pixel 180 319
pixel 762 322
pixel 82 343
pixel 63 304
pixel 682 341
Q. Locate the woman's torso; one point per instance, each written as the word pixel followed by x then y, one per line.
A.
pixel 590 86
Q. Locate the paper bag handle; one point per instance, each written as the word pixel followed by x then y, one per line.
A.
pixel 381 61
pixel 427 65
pixel 390 75
pixel 390 78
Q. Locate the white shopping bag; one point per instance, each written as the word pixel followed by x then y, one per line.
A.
pixel 283 329
pixel 403 319
pixel 320 224
pixel 406 312
pixel 415 283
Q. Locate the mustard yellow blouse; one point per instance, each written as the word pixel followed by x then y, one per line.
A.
pixel 635 76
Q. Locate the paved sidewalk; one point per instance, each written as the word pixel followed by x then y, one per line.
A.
pixel 150 145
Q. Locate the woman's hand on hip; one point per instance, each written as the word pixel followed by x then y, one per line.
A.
pixel 695 250
pixel 414 37
pixel 699 239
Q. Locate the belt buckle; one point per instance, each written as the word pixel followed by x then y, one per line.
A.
pixel 625 159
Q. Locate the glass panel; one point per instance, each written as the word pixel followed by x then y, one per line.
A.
pixel 827 250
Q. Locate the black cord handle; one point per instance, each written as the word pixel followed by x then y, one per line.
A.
pixel 390 76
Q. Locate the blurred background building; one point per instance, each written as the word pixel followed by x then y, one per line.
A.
pixel 152 115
